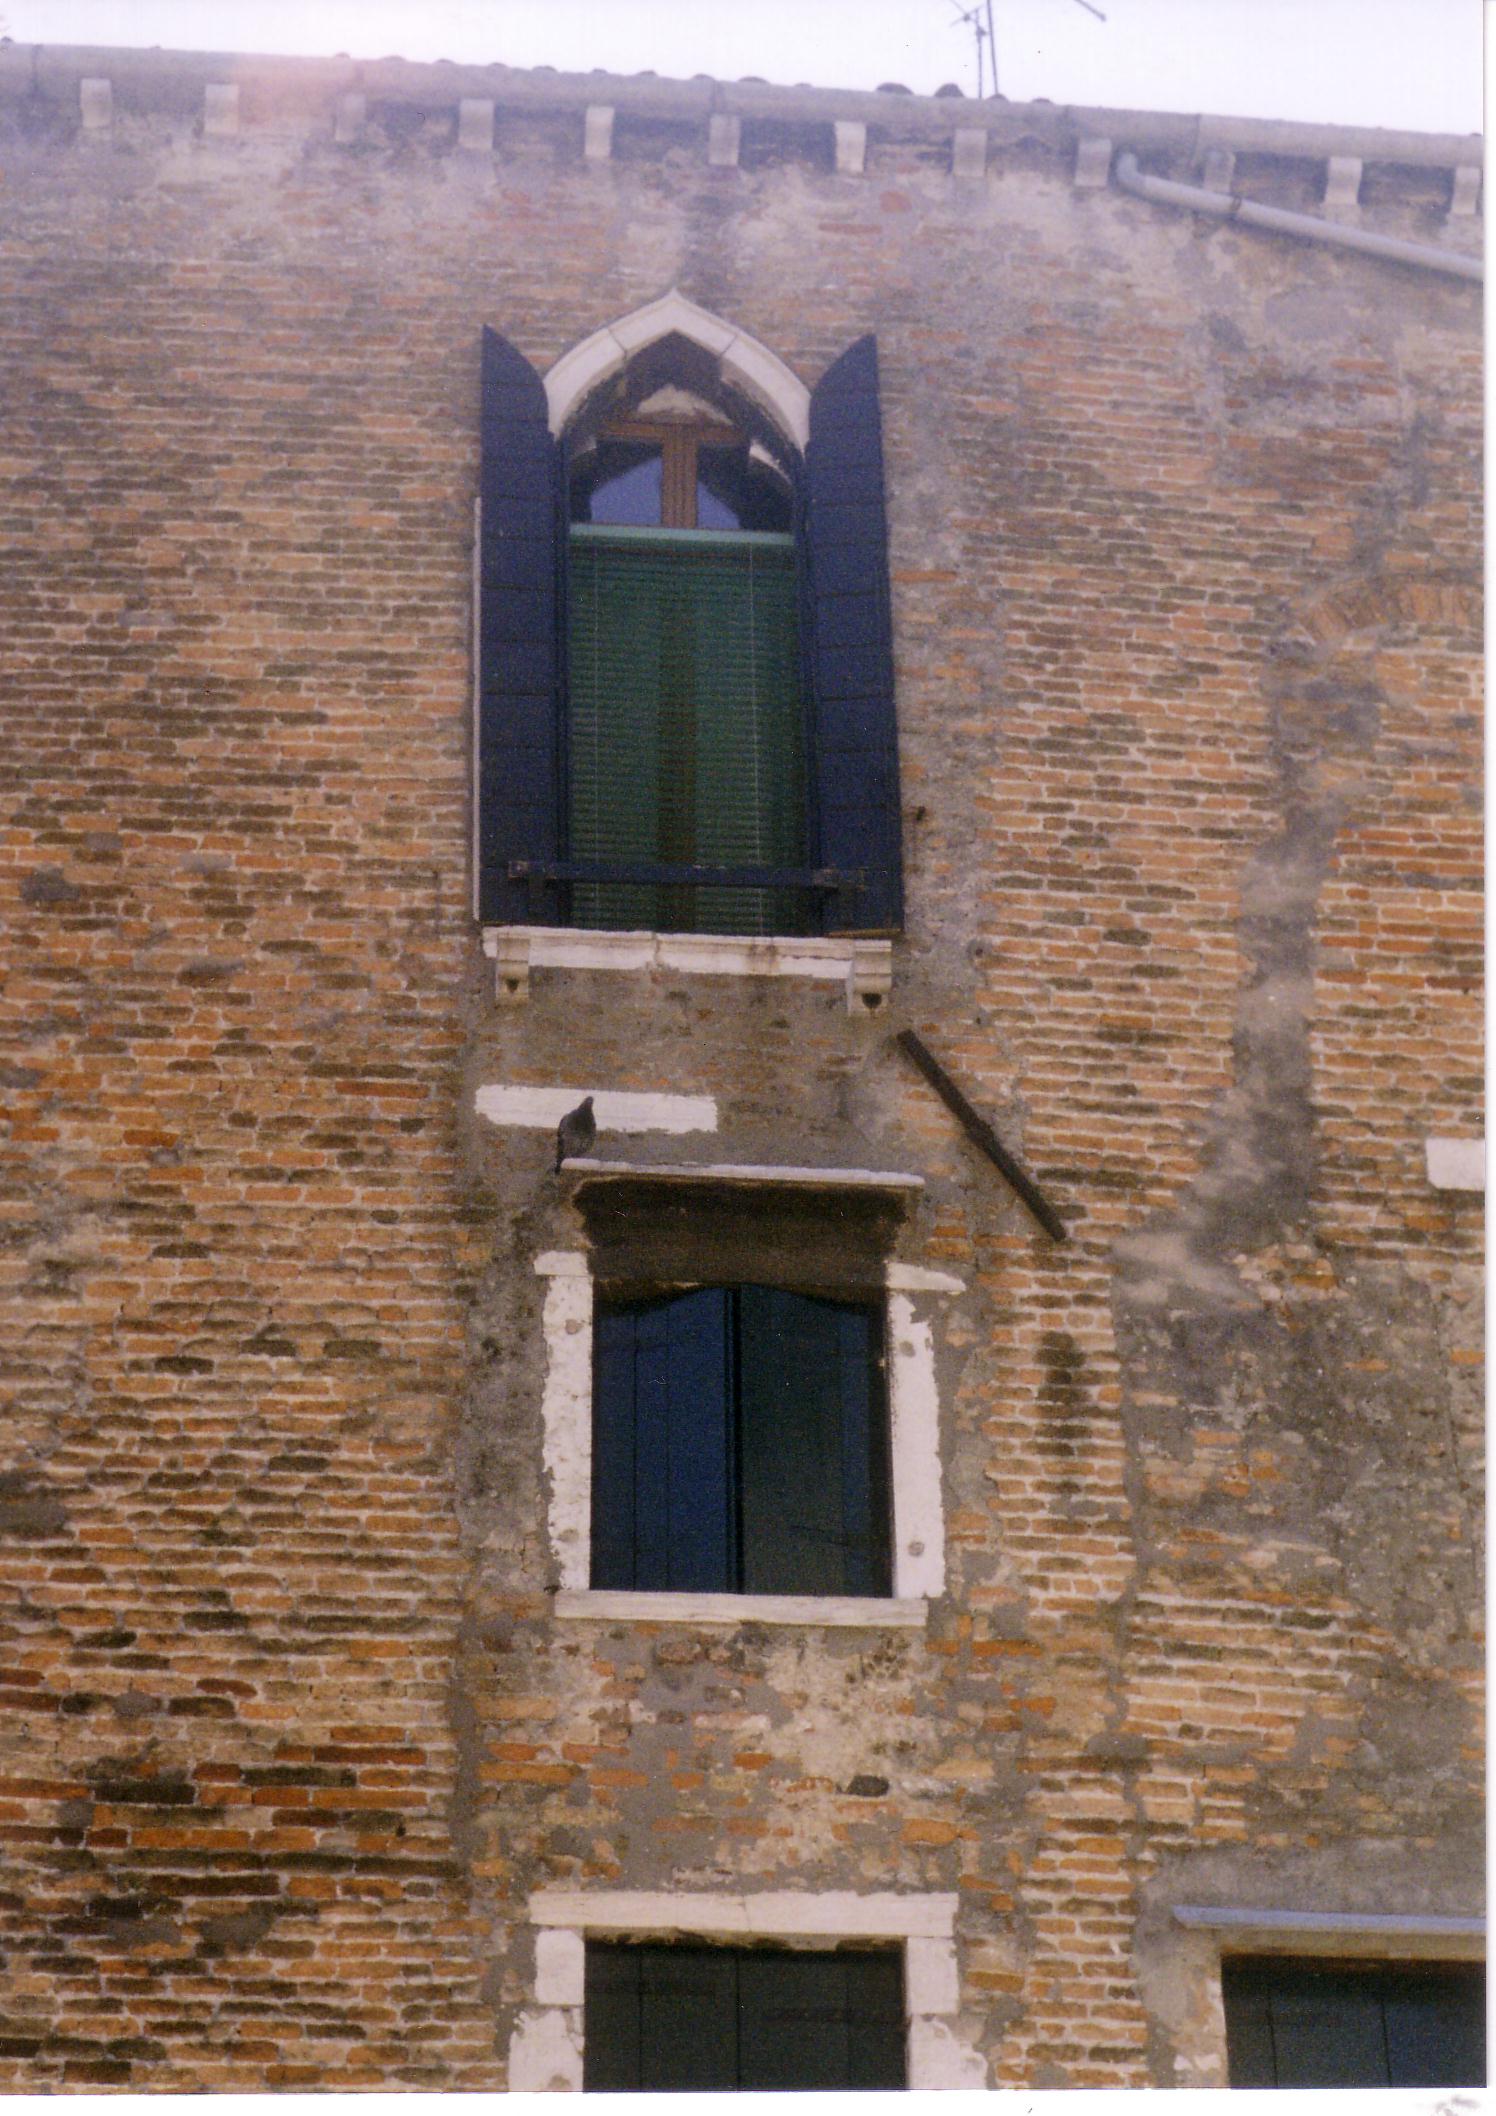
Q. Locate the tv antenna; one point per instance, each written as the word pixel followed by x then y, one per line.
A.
pixel 979 17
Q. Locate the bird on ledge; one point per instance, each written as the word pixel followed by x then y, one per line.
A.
pixel 576 1133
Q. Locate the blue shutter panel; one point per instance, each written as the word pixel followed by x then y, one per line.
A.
pixel 851 649
pixel 663 1476
pixel 813 1446
pixel 520 656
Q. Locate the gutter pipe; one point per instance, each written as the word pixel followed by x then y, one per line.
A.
pixel 1226 205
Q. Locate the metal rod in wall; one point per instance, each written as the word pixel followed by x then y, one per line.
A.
pixel 981 1132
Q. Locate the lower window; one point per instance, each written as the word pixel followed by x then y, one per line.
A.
pixel 740 1444
pixel 659 2018
pixel 1306 2024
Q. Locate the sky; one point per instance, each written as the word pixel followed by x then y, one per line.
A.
pixel 1413 64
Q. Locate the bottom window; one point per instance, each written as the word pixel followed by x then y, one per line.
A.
pixel 1302 2024
pixel 661 2018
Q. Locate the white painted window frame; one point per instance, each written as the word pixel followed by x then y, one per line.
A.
pixel 914 1461
pixel 545 2050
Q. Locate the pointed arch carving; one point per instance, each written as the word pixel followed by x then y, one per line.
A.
pixel 742 361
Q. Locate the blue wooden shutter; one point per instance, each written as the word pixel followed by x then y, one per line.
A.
pixel 664 1515
pixel 851 650
pixel 813 1445
pixel 520 655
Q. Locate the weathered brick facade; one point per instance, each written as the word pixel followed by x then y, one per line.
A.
pixel 1184 552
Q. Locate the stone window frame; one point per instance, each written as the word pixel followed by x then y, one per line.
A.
pixel 546 2047
pixel 919 1565
pixel 1204 1934
pixel 863 966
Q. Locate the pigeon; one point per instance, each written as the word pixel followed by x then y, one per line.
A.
pixel 576 1132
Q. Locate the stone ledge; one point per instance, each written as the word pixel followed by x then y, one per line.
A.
pixel 864 967
pixel 808 1611
pixel 1374 1935
pixel 771 1913
pixel 751 1174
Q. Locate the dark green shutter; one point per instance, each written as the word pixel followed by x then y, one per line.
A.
pixel 518 768
pixel 1307 2024
pixel 665 2019
pixel 851 654
pixel 825 2022
pixel 659 2019
pixel 686 740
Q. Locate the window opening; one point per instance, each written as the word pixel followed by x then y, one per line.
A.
pixel 670 2018
pixel 740 1444
pixel 687 727
pixel 809 837
pixel 1329 2024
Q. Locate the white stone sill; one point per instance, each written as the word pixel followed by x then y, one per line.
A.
pixel 863 967
pixel 864 1612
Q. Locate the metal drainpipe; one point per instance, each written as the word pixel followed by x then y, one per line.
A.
pixel 1228 206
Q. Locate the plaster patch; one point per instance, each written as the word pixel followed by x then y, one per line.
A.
pixel 913 1278
pixel 1456 1164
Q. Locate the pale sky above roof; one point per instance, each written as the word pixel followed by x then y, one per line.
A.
pixel 1413 64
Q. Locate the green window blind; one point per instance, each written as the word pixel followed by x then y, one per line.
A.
pixel 686 739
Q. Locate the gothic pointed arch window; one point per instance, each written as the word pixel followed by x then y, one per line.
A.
pixel 685 704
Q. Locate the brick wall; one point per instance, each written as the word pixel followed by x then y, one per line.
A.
pixel 1185 559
